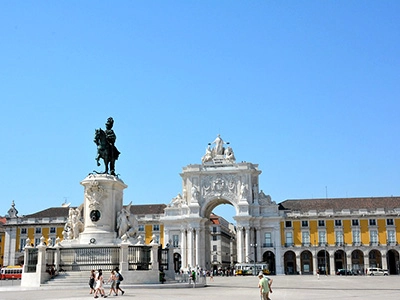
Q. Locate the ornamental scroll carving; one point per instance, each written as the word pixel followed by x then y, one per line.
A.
pixel 220 186
pixel 94 193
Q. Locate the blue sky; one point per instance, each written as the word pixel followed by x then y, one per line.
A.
pixel 309 90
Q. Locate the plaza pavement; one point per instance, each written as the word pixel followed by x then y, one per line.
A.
pixel 284 287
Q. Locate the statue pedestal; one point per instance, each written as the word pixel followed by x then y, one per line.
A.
pixel 103 199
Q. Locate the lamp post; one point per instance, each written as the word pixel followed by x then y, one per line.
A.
pixel 255 257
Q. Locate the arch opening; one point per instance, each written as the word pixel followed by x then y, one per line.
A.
pixel 222 232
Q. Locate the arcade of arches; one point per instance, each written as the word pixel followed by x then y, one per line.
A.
pixel 259 223
pixel 307 261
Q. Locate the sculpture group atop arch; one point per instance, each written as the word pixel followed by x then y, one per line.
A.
pixel 219 154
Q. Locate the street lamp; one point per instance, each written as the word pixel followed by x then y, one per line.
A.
pixel 255 258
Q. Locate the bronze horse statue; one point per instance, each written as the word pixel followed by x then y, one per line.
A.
pixel 105 150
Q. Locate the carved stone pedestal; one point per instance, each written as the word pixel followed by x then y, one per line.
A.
pixel 103 199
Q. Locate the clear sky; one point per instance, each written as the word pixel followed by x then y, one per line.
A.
pixel 309 90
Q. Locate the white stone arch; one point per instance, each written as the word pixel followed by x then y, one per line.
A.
pixel 219 179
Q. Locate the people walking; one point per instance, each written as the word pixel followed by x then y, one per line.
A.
pixel 92 281
pixel 193 276
pixel 264 285
pixel 118 279
pixel 112 281
pixel 99 289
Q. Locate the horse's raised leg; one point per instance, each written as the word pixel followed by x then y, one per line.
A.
pixel 97 159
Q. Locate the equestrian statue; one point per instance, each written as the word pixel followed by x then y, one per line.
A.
pixel 105 140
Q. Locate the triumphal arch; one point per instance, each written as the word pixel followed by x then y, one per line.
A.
pixel 220 179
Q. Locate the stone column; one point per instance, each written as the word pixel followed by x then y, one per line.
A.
pixel 10 243
pixel 332 264
pixel 239 244
pixel 247 242
pixel 41 274
pixel 123 258
pixel 183 248
pixel 298 264
pixel 171 267
pixel 315 262
pixel 57 256
pixel 259 243
pixel 206 236
pixel 366 261
pixel 190 247
pixel 277 242
pixel 384 260
pixel 26 255
pixel 154 256
pixel 197 239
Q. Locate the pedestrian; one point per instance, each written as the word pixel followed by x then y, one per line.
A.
pixel 118 279
pixel 92 281
pixel 318 274
pixel 193 276
pixel 99 285
pixel 264 286
pixel 269 285
pixel 112 280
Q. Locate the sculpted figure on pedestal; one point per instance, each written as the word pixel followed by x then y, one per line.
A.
pixel 177 201
pixel 208 156
pixel 74 225
pixel 219 146
pixel 195 194
pixel 123 222
pixel 265 199
pixel 106 150
pixel 127 224
pixel 243 190
pixel 229 154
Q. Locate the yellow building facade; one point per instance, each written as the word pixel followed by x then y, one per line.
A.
pixel 346 233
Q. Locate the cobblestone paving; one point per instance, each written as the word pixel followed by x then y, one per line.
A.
pixel 284 288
